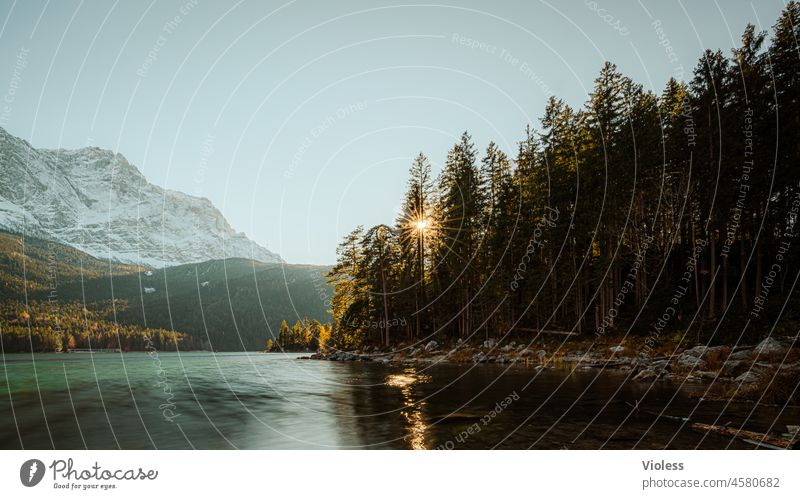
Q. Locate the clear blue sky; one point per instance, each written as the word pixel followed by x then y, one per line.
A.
pixel 299 120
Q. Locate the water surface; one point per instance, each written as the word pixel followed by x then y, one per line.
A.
pixel 276 401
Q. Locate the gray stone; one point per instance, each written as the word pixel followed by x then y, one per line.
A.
pixel 616 349
pixel 741 355
pixel 432 345
pixel 479 357
pixel 490 343
pixel 696 352
pixel 717 350
pixel 770 346
pixel 748 377
pixel 659 365
pixel 733 368
pixel 688 361
pixel 645 375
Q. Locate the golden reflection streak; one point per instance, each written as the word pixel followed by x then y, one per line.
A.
pixel 413 411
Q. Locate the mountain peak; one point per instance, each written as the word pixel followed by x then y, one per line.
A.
pixel 95 200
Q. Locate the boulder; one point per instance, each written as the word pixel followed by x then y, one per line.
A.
pixel 344 356
pixel 507 348
pixel 770 346
pixel 490 343
pixel 431 346
pixel 741 355
pixel 698 357
pixel 479 357
pixel 696 351
pixel 541 355
pixel 733 368
pixel 646 375
pixel 689 361
pixel 616 349
pixel 720 351
pixel 748 377
pixel 660 365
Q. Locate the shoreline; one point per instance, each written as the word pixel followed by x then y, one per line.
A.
pixel 764 373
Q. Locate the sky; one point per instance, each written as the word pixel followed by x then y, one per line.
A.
pixel 299 119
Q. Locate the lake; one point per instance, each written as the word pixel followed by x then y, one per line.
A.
pixel 209 400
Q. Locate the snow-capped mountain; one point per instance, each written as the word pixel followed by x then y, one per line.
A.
pixel 94 200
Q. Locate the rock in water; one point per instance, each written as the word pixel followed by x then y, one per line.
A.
pixel 645 375
pixel 479 357
pixel 747 378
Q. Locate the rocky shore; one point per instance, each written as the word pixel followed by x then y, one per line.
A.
pixel 768 371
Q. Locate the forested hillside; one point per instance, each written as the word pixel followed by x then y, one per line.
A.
pixel 231 304
pixel 37 265
pixel 666 213
pixel 68 299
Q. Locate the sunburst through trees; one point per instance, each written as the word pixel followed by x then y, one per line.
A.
pixel 698 183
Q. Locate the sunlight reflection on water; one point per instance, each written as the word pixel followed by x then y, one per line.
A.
pixel 412 412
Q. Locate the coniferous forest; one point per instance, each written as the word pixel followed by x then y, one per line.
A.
pixel 667 215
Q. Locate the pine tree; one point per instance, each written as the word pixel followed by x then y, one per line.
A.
pixel 460 208
pixel 283 335
pixel 415 223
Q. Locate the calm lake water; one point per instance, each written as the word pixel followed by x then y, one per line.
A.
pixel 268 401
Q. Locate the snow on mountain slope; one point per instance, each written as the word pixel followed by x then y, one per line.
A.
pixel 95 201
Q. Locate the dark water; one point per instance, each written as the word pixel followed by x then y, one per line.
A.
pixel 268 401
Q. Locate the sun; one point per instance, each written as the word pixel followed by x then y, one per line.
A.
pixel 421 224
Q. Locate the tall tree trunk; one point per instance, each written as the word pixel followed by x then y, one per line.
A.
pixel 712 282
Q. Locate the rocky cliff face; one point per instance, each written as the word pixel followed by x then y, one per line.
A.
pixel 95 201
